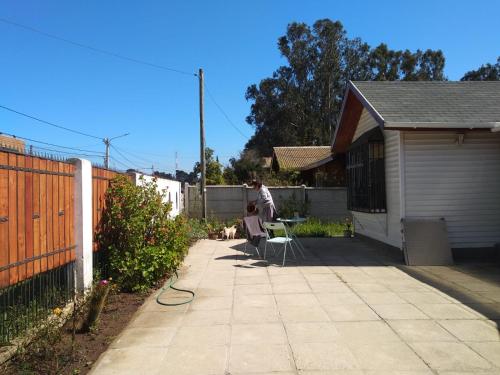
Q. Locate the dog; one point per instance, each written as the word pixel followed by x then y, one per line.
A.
pixel 229 232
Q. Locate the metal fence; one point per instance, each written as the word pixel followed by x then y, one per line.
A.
pixel 37 244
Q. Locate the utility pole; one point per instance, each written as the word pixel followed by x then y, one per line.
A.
pixel 106 157
pixel 202 150
pixel 107 142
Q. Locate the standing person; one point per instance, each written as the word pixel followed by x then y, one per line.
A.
pixel 267 209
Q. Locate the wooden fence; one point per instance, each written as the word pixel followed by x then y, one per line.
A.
pixel 100 183
pixel 36 216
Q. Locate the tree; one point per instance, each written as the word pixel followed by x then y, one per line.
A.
pixel 213 168
pixel 300 103
pixel 488 72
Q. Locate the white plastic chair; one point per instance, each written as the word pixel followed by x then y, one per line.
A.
pixel 287 240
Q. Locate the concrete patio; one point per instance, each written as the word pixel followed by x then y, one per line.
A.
pixel 349 308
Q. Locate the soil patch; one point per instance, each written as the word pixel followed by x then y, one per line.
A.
pixel 60 359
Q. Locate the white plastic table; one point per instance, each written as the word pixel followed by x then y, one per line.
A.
pixel 290 222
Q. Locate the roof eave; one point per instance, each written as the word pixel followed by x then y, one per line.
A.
pixel 442 125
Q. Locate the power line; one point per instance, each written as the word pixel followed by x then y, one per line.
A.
pixel 224 113
pixel 49 144
pixel 50 123
pixel 127 159
pixel 66 152
pixel 95 49
pixel 134 155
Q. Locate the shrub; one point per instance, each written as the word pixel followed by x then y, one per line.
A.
pixel 140 242
pixel 288 207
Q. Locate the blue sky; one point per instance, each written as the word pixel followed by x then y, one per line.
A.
pixel 233 41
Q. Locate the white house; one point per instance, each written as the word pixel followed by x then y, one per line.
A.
pixel 171 188
pixel 423 150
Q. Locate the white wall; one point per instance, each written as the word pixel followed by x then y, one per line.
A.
pixel 366 122
pixel 383 227
pixel 171 188
pixel 458 182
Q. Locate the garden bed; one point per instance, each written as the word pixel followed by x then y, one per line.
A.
pixel 88 346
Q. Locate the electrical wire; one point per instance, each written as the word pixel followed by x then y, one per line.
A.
pixel 49 123
pixel 128 160
pixel 133 155
pixel 95 49
pixel 65 152
pixel 50 144
pixel 224 113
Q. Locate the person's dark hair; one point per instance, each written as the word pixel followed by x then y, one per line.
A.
pixel 256 183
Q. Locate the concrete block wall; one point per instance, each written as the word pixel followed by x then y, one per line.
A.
pixel 229 202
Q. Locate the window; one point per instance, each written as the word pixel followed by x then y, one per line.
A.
pixel 366 173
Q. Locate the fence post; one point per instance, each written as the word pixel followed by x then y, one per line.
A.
pixel 83 223
pixel 244 192
pixel 186 199
pixel 303 193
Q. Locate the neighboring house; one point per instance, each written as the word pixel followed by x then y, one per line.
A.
pixel 316 164
pixel 171 188
pixel 423 150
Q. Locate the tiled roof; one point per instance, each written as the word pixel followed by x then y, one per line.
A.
pixel 266 162
pixel 442 103
pixel 300 158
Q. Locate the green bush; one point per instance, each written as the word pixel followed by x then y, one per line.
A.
pixel 288 207
pixel 140 242
pixel 197 230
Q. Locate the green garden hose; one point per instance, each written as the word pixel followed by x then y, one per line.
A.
pixel 171 283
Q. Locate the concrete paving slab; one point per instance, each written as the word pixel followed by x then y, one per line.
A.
pixel 366 332
pixel 381 298
pixel 336 299
pixel 323 356
pixel 471 330
pixel 258 334
pixel 488 350
pixel 446 311
pixel 345 310
pixel 297 299
pixel 399 311
pixel 421 330
pixel 454 356
pixel 188 360
pixel 345 313
pixel 388 355
pixel 259 358
pixel 303 314
pixel 202 335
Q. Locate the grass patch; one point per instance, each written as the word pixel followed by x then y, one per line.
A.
pixel 317 228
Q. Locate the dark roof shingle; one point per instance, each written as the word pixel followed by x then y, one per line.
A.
pixel 433 102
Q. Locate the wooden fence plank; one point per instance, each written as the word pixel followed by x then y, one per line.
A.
pixel 13 193
pixel 21 217
pixel 43 216
pixel 67 213
pixel 28 214
pixel 36 216
pixel 55 214
pixel 61 214
pixel 50 216
pixel 4 217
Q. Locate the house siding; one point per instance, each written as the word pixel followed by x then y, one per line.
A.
pixel 458 182
pixel 383 227
pixel 366 122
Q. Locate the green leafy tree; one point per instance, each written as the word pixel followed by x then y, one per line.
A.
pixel 213 168
pixel 300 103
pixel 488 72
